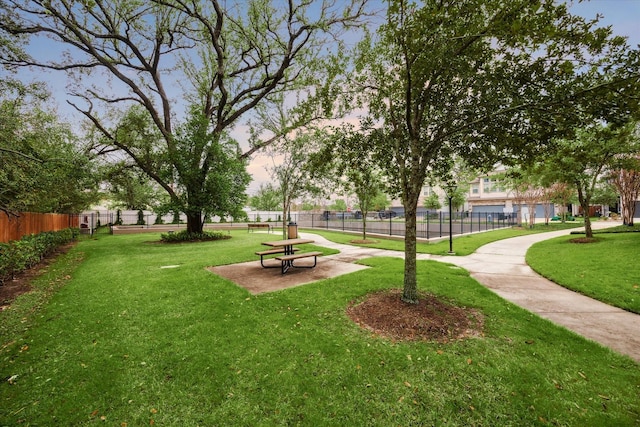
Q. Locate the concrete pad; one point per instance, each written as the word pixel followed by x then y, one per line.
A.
pixel 256 279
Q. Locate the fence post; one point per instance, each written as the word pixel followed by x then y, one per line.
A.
pixel 428 224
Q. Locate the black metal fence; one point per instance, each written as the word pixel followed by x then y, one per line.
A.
pixel 428 225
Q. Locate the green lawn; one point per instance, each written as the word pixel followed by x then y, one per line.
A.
pixel 126 342
pixel 606 270
pixel 462 245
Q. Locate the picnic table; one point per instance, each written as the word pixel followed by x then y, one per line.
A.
pixel 288 250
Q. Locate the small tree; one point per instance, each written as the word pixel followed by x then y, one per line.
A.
pixel 176 217
pixel 582 161
pixel 118 217
pixel 625 177
pixel 627 181
pixel 297 167
pixel 432 202
pixel 545 199
pixel 458 199
pixel 356 169
pixel 267 198
pixel 561 194
pixel 531 196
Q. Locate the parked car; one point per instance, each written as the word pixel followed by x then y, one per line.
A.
pixel 387 214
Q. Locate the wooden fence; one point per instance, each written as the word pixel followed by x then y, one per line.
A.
pixel 25 223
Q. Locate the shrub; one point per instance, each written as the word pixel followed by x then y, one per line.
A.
pixel 118 217
pixel 186 236
pixel 19 255
pixel 140 218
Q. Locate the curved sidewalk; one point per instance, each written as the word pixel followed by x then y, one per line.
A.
pixel 501 267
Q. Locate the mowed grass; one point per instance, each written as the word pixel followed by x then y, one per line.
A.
pixel 462 245
pixel 127 343
pixel 606 270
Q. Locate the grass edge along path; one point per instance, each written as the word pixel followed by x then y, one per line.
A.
pixel 605 269
pixel 127 342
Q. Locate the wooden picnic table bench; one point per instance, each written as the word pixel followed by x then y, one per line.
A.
pixel 287 260
pixel 272 252
pixel 258 225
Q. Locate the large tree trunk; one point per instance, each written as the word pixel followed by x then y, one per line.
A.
pixel 194 222
pixel 410 292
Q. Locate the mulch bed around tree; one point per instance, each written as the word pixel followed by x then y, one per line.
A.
pixel 432 319
pixel 584 240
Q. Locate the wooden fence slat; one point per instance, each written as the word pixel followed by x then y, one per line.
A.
pixel 26 223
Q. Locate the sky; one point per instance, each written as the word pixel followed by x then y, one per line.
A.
pixel 622 15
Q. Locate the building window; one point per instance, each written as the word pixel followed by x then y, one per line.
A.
pixel 475 189
pixel 491 186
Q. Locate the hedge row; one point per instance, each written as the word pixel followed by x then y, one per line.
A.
pixel 19 255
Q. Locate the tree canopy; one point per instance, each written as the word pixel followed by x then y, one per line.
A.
pixel 230 60
pixel 485 80
pixel 584 161
pixel 42 167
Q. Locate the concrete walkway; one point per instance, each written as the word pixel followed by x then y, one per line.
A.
pixel 501 267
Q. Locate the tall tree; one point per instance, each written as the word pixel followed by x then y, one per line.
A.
pixel 228 58
pixel 486 80
pixel 583 162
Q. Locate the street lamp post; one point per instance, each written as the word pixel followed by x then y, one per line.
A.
pixel 450 189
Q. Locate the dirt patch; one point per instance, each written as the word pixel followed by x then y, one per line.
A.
pixel 432 319
pixel 364 242
pixel 256 279
pixel 21 284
